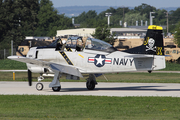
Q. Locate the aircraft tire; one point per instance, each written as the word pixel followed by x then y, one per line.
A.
pixel 56 89
pixel 39 86
pixel 91 85
pixel 149 71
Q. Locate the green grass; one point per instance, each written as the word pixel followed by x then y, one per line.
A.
pixel 39 107
pixel 172 67
pixel 32 107
pixel 11 65
pixel 135 77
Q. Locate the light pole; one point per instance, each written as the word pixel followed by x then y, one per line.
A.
pixel 151 18
pixel 167 15
pixel 123 16
pixel 108 15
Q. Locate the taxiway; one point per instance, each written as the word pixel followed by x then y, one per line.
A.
pixel 102 89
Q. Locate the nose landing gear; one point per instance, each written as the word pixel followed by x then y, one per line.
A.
pixel 39 85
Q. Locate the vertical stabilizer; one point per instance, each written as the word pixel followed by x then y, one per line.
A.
pixel 153 42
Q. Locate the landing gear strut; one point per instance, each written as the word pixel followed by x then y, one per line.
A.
pixel 91 82
pixel 55 84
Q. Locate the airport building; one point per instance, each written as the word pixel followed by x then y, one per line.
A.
pixel 120 33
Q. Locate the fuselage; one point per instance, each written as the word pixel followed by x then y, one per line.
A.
pixel 94 61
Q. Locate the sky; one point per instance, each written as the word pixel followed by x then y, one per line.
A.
pixel 125 3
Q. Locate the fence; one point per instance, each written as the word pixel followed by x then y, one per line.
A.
pixel 6 52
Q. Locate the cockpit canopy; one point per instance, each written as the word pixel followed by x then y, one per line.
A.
pixel 74 41
pixel 97 44
pixel 90 44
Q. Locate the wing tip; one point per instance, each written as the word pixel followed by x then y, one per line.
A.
pixel 14 57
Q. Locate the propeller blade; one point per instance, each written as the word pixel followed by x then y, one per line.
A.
pixel 29 77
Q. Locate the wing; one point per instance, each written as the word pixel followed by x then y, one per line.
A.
pixel 68 69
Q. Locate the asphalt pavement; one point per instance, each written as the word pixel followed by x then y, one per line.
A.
pixel 102 89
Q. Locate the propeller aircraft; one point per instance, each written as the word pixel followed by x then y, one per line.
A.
pixel 96 57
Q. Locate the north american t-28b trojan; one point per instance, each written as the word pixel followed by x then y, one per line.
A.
pixel 73 59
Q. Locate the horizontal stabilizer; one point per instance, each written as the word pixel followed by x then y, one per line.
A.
pixel 140 56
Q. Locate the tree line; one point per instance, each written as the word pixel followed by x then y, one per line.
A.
pixel 20 18
pixel 92 19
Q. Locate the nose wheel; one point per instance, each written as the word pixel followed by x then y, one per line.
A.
pixel 39 86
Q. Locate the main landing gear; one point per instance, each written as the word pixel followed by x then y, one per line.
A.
pixel 91 82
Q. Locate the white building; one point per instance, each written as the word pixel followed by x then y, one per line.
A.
pixel 85 32
pixel 119 32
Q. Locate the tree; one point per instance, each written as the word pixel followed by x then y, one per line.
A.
pixel 46 16
pixel 145 9
pixel 177 34
pixel 17 18
pixel 132 18
pixel 9 23
pixel 160 17
pixel 103 33
pixel 174 17
pixel 50 21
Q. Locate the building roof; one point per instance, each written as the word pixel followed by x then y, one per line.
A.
pixel 89 31
pixel 128 30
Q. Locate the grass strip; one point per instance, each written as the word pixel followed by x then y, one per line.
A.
pixel 11 65
pixel 39 107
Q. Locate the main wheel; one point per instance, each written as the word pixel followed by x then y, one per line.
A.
pixel 56 89
pixel 149 71
pixel 39 86
pixel 90 85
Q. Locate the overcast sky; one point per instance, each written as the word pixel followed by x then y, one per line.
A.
pixel 126 3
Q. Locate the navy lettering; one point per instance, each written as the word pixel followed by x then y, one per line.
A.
pixel 125 61
pixel 116 61
pixel 121 62
pixel 131 61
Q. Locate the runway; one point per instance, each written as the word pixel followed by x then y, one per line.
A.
pixel 102 89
